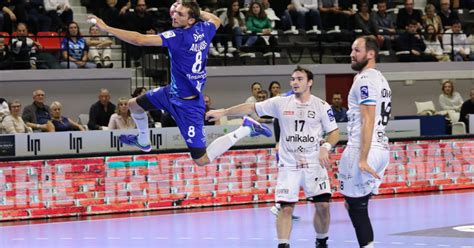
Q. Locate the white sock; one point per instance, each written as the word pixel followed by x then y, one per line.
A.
pixel 223 143
pixel 142 124
pixel 283 241
pixel 321 235
pixel 370 245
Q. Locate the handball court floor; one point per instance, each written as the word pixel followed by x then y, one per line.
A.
pixel 427 220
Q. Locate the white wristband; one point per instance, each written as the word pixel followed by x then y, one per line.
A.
pixel 327 145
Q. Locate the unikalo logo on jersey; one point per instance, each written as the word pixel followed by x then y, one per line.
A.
pixel 364 92
pixel 300 138
pixel 330 115
pixel 168 34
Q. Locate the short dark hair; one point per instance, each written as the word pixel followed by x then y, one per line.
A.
pixel 371 44
pixel 382 2
pixel 457 21
pixel 194 10
pixel 255 83
pixel 309 74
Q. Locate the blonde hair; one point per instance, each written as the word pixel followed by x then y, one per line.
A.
pixel 120 100
pixel 452 87
pixel 55 104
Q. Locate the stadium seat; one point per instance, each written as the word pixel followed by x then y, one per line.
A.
pixel 425 108
pixel 6 37
pixel 49 40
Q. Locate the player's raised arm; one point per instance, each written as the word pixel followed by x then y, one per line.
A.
pixel 238 110
pixel 131 37
pixel 206 16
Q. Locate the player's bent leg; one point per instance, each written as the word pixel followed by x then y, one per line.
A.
pixel 321 218
pixel 199 156
pixel 284 222
pixel 142 140
pixel 358 212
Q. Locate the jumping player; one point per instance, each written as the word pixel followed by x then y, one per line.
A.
pixel 366 156
pixel 303 118
pixel 188 45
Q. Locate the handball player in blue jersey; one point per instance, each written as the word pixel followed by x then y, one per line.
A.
pixel 188 45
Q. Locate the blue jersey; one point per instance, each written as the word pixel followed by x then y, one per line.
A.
pixel 188 53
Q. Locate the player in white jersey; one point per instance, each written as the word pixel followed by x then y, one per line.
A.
pixel 303 120
pixel 366 156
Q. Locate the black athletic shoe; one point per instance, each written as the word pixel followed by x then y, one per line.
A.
pixel 321 243
pixel 283 245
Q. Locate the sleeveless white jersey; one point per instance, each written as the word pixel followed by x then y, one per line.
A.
pixel 369 88
pixel 302 126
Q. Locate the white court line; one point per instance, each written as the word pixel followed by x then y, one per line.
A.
pixel 18 239
pixel 256 238
pixel 208 238
pixel 113 237
pixel 303 240
pixel 443 245
pixel 350 241
pixel 89 238
pixel 40 238
pixel 161 237
pixel 397 243
pixel 137 238
pixel 185 238
pixel 233 238
pixel 420 244
pixel 65 238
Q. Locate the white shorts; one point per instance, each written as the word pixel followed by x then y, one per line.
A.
pixel 354 183
pixel 314 180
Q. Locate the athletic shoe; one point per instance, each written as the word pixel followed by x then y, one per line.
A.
pixel 256 128
pixel 132 140
pixel 321 243
pixel 275 210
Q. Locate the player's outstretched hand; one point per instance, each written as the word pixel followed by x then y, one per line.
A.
pixel 96 21
pixel 365 167
pixel 215 115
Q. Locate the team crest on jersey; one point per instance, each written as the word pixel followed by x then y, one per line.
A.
pixel 288 112
pixel 311 114
pixel 364 92
pixel 168 34
pixel 331 115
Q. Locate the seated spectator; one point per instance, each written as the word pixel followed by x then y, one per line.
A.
pixel 13 123
pixel 121 119
pixel 364 22
pixel 433 46
pixel 61 123
pixel 407 14
pixel 430 18
pixel 340 112
pixel 110 14
pixel 100 112
pixel 450 99
pixel 60 13
pixel 333 15
pixel 74 49
pixel 256 87
pixel 274 89
pixel 456 43
pixel 100 50
pixel 258 23
pixel 233 23
pixel 301 10
pixel 11 12
pixel 412 45
pixel 262 96
pixel 23 49
pixel 447 15
pixel 37 115
pixel 5 55
pixel 208 103
pixel 467 108
pixel 385 21
pixel 4 111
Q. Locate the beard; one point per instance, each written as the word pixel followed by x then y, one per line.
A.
pixel 358 66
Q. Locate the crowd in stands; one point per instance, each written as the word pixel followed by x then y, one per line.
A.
pixel 434 33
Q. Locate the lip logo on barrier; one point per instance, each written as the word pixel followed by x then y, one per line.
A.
pixel 33 145
pixel 75 143
pixel 114 142
pixel 156 139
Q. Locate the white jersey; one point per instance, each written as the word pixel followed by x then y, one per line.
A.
pixel 369 88
pixel 302 126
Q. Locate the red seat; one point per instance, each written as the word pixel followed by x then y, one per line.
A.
pixel 49 40
pixel 6 37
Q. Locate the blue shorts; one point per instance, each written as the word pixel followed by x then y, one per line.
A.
pixel 188 114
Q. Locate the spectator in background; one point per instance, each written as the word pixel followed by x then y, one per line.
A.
pixel 262 96
pixel 74 49
pixel 430 18
pixel 340 112
pixel 467 108
pixel 110 13
pixel 38 20
pixel 333 15
pixel 13 123
pixel 274 88
pixel 5 55
pixel 433 46
pixel 121 119
pixel 407 14
pixel 11 12
pixel 365 22
pixel 60 13
pixel 24 48
pixel 447 15
pixel 258 23
pixel 450 99
pixel 61 123
pixel 412 45
pixel 37 115
pixel 233 24
pixel 100 112
pixel 207 102
pixel 385 21
pixel 302 10
pixel 456 43
pixel 100 50
pixel 256 87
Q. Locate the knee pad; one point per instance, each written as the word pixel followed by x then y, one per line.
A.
pixel 197 152
pixel 326 197
pixel 358 204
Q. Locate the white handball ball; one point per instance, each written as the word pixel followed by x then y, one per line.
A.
pixel 92 21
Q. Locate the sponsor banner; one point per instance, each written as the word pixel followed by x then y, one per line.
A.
pixel 7 145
